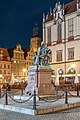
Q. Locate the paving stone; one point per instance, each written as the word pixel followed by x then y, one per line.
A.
pixel 73 114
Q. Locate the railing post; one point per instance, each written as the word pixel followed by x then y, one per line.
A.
pixel 78 90
pixel 6 98
pixel 66 97
pixel 0 90
pixel 56 90
pixel 34 100
pixel 21 91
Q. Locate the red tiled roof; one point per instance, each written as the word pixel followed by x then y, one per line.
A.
pixel 70 7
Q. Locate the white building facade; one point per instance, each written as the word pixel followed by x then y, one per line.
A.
pixel 61 33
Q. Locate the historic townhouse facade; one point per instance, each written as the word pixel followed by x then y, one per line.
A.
pixel 61 33
pixel 5 66
pixel 18 63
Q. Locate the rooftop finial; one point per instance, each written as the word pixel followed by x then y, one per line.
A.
pixel 50 11
pixel 43 17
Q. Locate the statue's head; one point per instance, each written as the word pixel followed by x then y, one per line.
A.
pixel 42 43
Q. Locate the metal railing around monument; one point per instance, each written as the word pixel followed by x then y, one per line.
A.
pixel 9 94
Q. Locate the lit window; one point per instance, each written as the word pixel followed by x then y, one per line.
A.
pixel 4 71
pixel 4 65
pixel 15 61
pixel 8 72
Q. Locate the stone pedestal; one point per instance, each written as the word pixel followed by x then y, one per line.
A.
pixel 44 86
pixel 41 77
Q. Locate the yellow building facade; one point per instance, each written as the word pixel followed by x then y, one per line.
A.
pixel 18 63
pixel 22 58
pixel 5 66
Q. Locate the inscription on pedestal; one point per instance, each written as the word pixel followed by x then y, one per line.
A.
pixel 31 77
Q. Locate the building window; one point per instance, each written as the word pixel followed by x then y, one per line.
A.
pixel 4 66
pixel 8 66
pixel 59 32
pixel 0 66
pixel 59 55
pixel 49 35
pixel 70 27
pixel 70 53
pixel 4 71
pixel 8 72
pixel 1 57
pixel 0 71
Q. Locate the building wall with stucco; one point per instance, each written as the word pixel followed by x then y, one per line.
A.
pixel 69 42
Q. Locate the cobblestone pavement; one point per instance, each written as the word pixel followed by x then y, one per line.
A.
pixel 73 114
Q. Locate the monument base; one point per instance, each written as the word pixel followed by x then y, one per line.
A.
pixel 46 89
pixel 39 78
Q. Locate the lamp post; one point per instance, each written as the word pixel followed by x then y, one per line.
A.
pixel 37 75
pixel 65 47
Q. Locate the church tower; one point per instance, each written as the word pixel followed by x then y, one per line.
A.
pixel 35 40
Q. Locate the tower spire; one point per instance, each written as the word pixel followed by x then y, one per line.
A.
pixel 35 31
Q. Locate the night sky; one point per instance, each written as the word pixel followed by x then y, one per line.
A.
pixel 18 17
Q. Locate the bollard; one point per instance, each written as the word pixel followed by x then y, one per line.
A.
pixel 66 97
pixel 0 91
pixel 21 91
pixel 77 90
pixel 34 100
pixel 6 98
pixel 56 90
